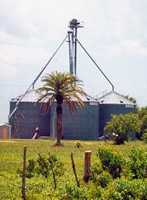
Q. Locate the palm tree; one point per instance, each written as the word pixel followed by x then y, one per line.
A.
pixel 61 88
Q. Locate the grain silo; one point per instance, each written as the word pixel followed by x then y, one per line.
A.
pixel 113 103
pixel 82 124
pixel 28 116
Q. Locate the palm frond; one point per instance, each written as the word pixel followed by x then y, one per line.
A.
pixel 63 84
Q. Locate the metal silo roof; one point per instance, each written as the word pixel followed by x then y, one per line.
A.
pixel 31 96
pixel 114 98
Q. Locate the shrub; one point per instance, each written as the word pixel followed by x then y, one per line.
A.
pixel 123 189
pixel 93 192
pixel 71 191
pixel 122 127
pixel 96 170
pixel 100 177
pixel 104 179
pixel 30 169
pixel 111 162
pixel 49 166
pixel 126 189
pixel 138 164
pixel 144 137
pixel 143 124
pixel 42 167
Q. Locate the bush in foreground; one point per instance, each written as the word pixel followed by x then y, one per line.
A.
pixel 144 137
pixel 111 162
pixel 123 189
pixel 138 164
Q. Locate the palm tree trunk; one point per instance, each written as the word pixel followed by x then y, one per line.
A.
pixel 59 123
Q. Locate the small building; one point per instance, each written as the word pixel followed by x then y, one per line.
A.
pixel 5 131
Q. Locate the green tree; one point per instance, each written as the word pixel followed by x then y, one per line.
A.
pixel 120 127
pixel 142 113
pixel 61 88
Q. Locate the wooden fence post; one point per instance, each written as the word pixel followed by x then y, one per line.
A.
pixel 87 164
pixel 24 174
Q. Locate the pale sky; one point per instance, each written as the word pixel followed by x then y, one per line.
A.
pixel 114 33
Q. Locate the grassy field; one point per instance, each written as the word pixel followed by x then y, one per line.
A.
pixel 11 159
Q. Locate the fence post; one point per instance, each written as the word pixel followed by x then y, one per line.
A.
pixel 74 170
pixel 87 165
pixel 24 174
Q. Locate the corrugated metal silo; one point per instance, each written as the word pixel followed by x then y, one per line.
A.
pixel 113 103
pixel 82 124
pixel 28 116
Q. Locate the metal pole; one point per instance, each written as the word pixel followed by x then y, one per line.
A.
pixel 96 64
pixel 74 25
pixel 70 52
pixel 35 80
pixel 75 49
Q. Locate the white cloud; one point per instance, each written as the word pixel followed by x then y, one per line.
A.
pixel 128 48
